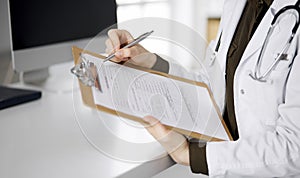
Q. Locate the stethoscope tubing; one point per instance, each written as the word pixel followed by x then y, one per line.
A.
pixel 257 73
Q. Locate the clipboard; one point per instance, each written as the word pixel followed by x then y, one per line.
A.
pixel 88 99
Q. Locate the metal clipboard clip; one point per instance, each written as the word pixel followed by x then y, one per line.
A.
pixel 86 72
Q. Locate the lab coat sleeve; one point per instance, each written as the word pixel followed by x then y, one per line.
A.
pixel 177 70
pixel 276 153
pixel 173 68
pixel 161 65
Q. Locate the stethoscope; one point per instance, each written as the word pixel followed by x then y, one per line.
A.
pixel 257 74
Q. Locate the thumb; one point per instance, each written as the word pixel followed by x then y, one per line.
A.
pixel 151 120
pixel 156 128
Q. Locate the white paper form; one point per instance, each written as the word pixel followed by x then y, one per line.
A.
pixel 174 103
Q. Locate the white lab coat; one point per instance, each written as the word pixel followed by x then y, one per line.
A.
pixel 267 114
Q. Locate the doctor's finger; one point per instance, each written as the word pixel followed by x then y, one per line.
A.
pixel 126 53
pixel 120 37
pixel 115 36
pixel 128 36
pixel 109 47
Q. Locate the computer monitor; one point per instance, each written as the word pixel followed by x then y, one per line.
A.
pixel 43 32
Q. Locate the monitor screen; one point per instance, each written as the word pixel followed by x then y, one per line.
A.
pixel 36 23
pixel 42 33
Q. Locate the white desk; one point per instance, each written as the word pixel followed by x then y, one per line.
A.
pixel 43 139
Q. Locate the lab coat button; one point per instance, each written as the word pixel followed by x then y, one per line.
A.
pixel 242 91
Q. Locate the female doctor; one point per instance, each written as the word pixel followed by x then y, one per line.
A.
pixel 266 97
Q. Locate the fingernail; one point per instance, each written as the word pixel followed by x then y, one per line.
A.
pixel 119 53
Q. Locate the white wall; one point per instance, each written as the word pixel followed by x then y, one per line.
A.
pixel 192 13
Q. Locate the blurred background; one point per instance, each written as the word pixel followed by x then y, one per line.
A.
pixel 42 138
pixel 200 15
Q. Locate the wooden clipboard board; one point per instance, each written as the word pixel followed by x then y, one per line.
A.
pixel 88 99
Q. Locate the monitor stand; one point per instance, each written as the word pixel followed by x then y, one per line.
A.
pixel 55 79
pixel 35 76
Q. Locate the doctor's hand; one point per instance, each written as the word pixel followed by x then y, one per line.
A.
pixel 136 54
pixel 175 144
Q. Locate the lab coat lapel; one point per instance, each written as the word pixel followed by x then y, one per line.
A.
pixel 234 10
pixel 260 34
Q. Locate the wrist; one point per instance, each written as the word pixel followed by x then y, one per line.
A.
pixel 144 59
pixel 177 146
pixel 150 61
pixel 181 155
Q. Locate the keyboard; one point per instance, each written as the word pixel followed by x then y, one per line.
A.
pixel 12 96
